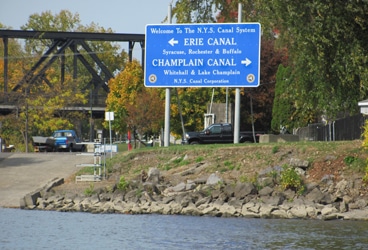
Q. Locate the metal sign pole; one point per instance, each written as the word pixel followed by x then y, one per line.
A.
pixel 109 116
pixel 167 104
pixel 237 95
pixel 110 138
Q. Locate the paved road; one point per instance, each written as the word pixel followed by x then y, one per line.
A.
pixel 22 173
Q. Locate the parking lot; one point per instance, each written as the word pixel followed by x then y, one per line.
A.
pixel 21 173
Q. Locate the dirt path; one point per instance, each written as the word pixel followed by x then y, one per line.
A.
pixel 21 173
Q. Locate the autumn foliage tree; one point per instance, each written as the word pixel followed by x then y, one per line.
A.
pixel 45 105
pixel 135 107
pixel 146 114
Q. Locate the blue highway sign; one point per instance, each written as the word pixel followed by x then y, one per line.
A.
pixel 203 55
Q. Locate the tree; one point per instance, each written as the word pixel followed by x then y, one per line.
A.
pixel 43 107
pixel 263 96
pixel 283 103
pixel 146 114
pixel 187 11
pixel 110 53
pixel 134 106
pixel 194 102
pixel 329 71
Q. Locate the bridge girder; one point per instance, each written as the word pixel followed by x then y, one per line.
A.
pixel 60 42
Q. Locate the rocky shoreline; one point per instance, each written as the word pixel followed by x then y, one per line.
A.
pixel 211 196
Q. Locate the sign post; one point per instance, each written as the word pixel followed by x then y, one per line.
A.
pixel 109 116
pixel 237 95
pixel 203 55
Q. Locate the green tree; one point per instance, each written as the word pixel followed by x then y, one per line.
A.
pixel 283 102
pixel 187 11
pixel 327 56
pixel 194 100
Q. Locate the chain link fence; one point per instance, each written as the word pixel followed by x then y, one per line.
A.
pixel 349 128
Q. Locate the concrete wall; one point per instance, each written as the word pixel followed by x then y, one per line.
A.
pixel 278 138
pixel 219 109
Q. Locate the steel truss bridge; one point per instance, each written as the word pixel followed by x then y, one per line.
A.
pixel 60 42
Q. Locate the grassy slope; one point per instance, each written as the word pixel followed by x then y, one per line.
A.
pixel 241 162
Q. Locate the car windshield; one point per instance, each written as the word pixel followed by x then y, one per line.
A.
pixel 62 134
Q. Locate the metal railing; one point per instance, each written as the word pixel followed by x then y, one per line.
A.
pixel 349 128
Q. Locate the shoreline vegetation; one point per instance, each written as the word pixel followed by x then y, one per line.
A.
pixel 302 180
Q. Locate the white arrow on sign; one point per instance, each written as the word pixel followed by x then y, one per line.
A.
pixel 173 41
pixel 246 62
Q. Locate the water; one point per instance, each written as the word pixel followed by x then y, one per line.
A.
pixel 25 229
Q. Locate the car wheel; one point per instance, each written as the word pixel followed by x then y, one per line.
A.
pixel 194 142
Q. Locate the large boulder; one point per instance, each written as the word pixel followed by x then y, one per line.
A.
pixel 30 200
pixel 298 212
pixel 315 195
pixel 265 210
pixel 153 175
pixel 266 191
pixel 213 179
pixel 228 211
pixel 298 163
pixel 274 200
pixel 242 190
pixel 229 190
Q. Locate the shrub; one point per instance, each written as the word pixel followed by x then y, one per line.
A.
pixel 355 163
pixel 365 177
pixel 123 184
pixel 365 145
pixel 291 179
pixel 273 174
pixel 90 190
pixel 348 160
pixel 229 165
pixel 199 159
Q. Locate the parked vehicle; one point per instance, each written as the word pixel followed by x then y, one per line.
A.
pixel 220 133
pixel 43 144
pixel 67 140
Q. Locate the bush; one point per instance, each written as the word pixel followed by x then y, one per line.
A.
pixel 365 145
pixel 291 179
pixel 123 184
pixel 90 190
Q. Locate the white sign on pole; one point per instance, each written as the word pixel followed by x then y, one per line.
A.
pixel 109 116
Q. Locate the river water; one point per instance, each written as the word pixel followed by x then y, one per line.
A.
pixel 26 229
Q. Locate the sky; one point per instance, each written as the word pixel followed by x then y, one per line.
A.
pixel 122 16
